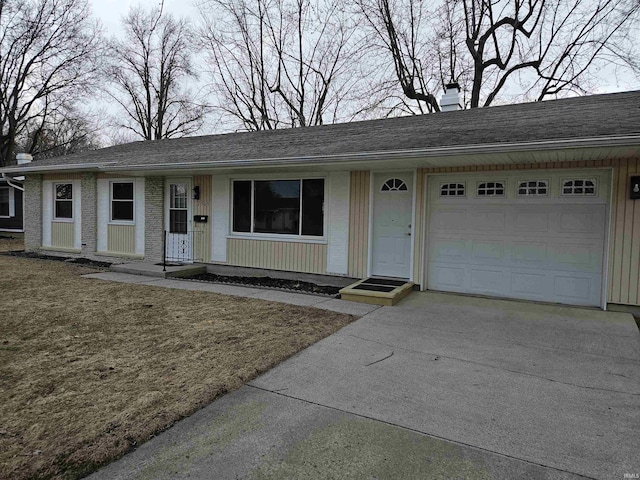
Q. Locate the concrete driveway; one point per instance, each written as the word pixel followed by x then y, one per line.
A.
pixel 441 386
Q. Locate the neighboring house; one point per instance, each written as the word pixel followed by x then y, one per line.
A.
pixel 530 201
pixel 11 207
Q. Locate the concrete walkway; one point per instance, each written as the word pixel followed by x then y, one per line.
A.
pixel 441 386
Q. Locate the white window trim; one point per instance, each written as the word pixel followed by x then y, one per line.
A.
pixel 585 195
pixel 492 195
pixel 279 236
pixel 121 222
pixel 464 188
pixel 12 203
pixel 525 195
pixel 72 200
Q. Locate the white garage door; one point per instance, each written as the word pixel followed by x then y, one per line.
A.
pixel 537 236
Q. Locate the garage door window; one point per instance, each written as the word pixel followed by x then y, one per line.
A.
pixel 490 189
pixel 533 188
pixel 452 190
pixel 582 187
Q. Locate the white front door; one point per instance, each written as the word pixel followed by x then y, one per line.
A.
pixel 392 213
pixel 179 234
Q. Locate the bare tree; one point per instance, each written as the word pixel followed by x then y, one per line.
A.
pixel 62 133
pixel 283 63
pixel 49 52
pixel 150 67
pixel 526 49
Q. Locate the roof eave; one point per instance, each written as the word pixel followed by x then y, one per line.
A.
pixel 544 145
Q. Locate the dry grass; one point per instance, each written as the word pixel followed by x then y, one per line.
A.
pixel 89 369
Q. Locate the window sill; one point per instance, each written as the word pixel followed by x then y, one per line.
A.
pixel 278 238
pixel 121 222
pixel 62 220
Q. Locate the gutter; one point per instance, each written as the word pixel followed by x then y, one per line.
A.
pixel 55 168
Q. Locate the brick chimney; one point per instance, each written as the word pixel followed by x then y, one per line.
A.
pixel 450 101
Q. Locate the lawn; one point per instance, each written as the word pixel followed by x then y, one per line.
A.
pixel 90 369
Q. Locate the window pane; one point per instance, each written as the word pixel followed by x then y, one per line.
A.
pixel 64 209
pixel 121 210
pixel 123 191
pixel 312 207
pixel 242 206
pixel 64 191
pixel 4 202
pixel 178 195
pixel 178 221
pixel 277 206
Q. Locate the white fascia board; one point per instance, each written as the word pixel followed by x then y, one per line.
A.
pixel 30 168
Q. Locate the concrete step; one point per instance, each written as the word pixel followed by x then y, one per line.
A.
pixel 377 291
pixel 154 270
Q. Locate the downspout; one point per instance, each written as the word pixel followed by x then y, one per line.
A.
pixel 9 181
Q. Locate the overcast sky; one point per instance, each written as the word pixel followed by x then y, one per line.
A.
pixel 110 11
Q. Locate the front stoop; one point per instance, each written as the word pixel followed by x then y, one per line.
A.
pixel 154 270
pixel 377 291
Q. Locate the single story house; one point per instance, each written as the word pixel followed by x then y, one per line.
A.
pixel 533 201
pixel 11 207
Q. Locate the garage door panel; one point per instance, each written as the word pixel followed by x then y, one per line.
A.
pixel 492 250
pixel 450 219
pixel 573 289
pixel 489 281
pixel 448 277
pixel 448 249
pixel 532 222
pixel 525 253
pixel 572 256
pixel 547 249
pixel 493 220
pixel 530 285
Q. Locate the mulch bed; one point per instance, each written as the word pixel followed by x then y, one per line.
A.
pixel 41 256
pixel 268 282
pixel 264 282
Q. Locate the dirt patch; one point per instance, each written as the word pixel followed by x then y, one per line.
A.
pixel 268 282
pixel 90 369
pixel 58 258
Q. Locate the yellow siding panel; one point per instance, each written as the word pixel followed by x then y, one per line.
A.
pixel 121 239
pixel 202 231
pixel 276 255
pixel 62 234
pixel 359 223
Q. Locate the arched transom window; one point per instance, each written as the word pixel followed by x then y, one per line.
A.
pixel 394 185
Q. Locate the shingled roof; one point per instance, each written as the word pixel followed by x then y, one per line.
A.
pixel 589 117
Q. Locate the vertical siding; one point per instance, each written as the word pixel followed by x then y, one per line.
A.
pixel 418 229
pixel 359 223
pixel 62 234
pixel 624 245
pixel 121 239
pixel 202 231
pixel 55 177
pixel 276 255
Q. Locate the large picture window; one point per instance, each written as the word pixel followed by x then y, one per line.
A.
pixel 5 202
pixel 63 201
pixel 285 207
pixel 122 201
